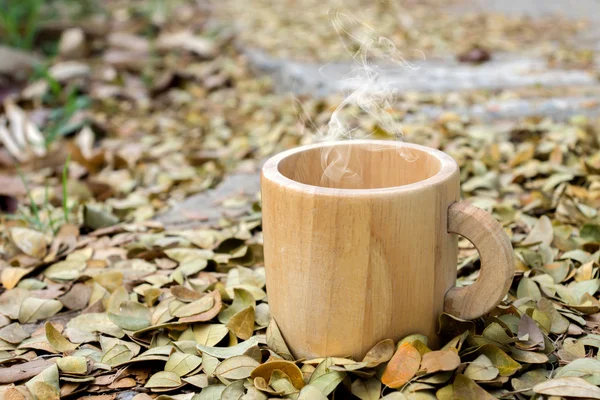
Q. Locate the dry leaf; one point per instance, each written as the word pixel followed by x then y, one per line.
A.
pixel 236 367
pixel 276 342
pixel 57 340
pixel 442 360
pixel 34 309
pixel 380 353
pixel 402 367
pixel 288 367
pixel 30 242
pixel 242 323
pixel 570 387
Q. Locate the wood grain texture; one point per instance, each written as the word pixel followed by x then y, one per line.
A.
pixel 359 253
pixel 497 263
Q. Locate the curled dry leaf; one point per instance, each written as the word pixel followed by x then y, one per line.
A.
pixel 288 367
pixel 57 340
pixel 236 350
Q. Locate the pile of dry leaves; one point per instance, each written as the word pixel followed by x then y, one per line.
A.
pixel 101 301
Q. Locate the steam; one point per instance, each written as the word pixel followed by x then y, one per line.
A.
pixel 368 94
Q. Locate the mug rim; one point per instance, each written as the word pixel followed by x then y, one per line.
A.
pixel 270 169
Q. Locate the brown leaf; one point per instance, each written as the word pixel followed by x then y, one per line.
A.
pixel 78 297
pixel 442 360
pixel 13 333
pixel 23 371
pixel 207 315
pixel 11 186
pixel 402 367
pixel 475 55
pixel 380 353
pixel 528 329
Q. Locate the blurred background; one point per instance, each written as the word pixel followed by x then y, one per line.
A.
pixel 131 138
pixel 122 110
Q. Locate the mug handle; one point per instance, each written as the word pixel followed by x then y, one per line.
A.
pixel 497 263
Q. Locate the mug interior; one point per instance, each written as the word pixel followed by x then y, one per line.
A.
pixel 360 165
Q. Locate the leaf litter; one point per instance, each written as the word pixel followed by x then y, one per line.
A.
pixel 99 297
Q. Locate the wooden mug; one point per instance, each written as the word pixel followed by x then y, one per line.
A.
pixel 360 245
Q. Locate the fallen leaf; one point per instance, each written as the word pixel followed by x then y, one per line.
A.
pixel 20 372
pixel 236 367
pixel 195 307
pixel 11 276
pixel 402 367
pixel 380 353
pixel 242 323
pixel 366 390
pixel 287 367
pixel 276 342
pixel 227 352
pixel 465 389
pixel 327 383
pixel 57 340
pixel 72 365
pixel 442 360
pixel 13 333
pixel 209 334
pixel 506 365
pixel 481 369
pixel 182 364
pixel 310 392
pixel 132 316
pixel 585 368
pixel 30 242
pixel 33 309
pixel 569 387
pixel 163 379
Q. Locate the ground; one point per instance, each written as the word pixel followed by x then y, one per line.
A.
pixel 131 137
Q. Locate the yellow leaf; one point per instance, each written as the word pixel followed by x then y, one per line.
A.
pixel 402 367
pixel 57 340
pixel 287 367
pixel 11 276
pixel 242 323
